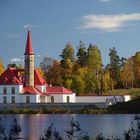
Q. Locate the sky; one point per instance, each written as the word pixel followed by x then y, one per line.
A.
pixel 54 23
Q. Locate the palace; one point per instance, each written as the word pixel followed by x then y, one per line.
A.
pixel 28 86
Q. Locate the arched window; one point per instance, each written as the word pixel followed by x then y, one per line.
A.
pixel 68 99
pixel 52 99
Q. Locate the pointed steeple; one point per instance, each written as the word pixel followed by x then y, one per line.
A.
pixel 29 49
pixel 29 62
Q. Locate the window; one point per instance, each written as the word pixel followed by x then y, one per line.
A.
pixel 68 99
pixel 27 99
pixel 13 99
pixel 52 99
pixel 4 90
pixel 13 90
pixel 4 99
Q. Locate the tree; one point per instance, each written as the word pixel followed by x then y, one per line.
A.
pixel 94 64
pixel 67 60
pixel 90 83
pixel 15 130
pixel 81 54
pixel 75 132
pixel 126 74
pixel 45 66
pixel 78 85
pixel 1 66
pixel 55 73
pixel 136 60
pixel 68 53
pixel 94 59
pixel 115 66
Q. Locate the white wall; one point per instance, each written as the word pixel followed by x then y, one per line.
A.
pixel 127 98
pixel 19 98
pixel 71 97
pixel 102 99
pixel 91 99
pixel 18 88
pixel 42 88
pixel 61 98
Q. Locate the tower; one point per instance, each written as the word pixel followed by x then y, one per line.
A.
pixel 29 62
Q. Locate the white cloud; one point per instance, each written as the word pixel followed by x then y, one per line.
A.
pixel 105 0
pixel 12 35
pixel 16 59
pixel 108 22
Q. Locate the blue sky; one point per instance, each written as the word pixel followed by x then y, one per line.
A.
pixel 106 23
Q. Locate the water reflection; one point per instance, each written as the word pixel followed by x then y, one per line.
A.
pixel 34 125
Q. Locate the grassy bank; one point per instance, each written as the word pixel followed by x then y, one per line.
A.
pixel 91 110
pixel 134 92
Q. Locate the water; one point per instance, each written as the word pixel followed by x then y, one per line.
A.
pixel 34 125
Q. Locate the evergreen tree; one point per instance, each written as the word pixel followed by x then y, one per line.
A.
pixel 115 65
pixel 82 54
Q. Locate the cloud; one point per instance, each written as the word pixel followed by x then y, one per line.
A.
pixel 105 0
pixel 12 35
pixel 108 22
pixel 28 26
pixel 16 59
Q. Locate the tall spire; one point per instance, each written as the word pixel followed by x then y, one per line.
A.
pixel 29 49
pixel 29 62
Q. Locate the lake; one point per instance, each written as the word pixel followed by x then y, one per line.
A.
pixel 34 125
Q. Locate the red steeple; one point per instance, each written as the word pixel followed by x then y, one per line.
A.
pixel 29 49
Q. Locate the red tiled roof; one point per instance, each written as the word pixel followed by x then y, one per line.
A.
pixel 29 49
pixel 57 90
pixel 30 90
pixel 9 77
pixel 16 76
pixel 38 79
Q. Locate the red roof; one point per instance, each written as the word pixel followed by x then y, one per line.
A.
pixel 29 49
pixel 10 76
pixel 30 90
pixel 57 90
pixel 16 76
pixel 38 79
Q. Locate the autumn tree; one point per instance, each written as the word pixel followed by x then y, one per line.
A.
pixel 126 74
pixel 67 60
pixel 136 60
pixel 78 85
pixel 94 64
pixel 55 73
pixel 1 66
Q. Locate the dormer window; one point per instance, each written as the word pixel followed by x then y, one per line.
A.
pixel 4 90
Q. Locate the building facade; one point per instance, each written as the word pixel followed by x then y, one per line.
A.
pixel 27 85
